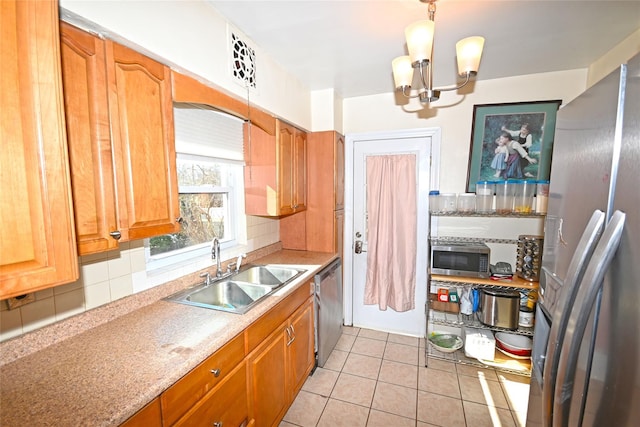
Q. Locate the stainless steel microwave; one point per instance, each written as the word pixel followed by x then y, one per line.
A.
pixel 460 259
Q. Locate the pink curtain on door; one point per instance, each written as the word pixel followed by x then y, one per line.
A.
pixel 391 224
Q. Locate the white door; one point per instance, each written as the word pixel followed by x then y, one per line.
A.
pixel 424 143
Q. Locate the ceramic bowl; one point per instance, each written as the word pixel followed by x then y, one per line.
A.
pixel 446 343
pixel 517 345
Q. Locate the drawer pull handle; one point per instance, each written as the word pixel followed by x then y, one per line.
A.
pixel 290 333
pixel 217 424
pixel 216 373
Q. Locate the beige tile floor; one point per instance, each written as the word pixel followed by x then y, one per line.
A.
pixel 374 378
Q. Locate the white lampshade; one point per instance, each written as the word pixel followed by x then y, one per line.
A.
pixel 420 40
pixel 469 52
pixel 402 71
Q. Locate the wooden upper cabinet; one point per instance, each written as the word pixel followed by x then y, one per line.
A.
pixel 89 139
pixel 37 248
pixel 299 171
pixel 142 133
pixel 338 151
pixel 276 171
pixel 324 215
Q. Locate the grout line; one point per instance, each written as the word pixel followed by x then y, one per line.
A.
pixel 370 408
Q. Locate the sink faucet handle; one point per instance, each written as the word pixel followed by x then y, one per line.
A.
pixel 230 266
pixel 239 261
pixel 207 277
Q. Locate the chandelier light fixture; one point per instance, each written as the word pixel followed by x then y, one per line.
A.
pixel 420 44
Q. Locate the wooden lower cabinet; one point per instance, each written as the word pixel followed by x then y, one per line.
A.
pixel 301 349
pixel 280 365
pixel 194 387
pixel 268 380
pixel 233 390
pixel 225 405
pixel 149 416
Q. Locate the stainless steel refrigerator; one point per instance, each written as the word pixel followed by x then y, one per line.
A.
pixel 586 345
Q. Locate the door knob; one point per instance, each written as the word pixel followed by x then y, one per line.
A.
pixel 358 248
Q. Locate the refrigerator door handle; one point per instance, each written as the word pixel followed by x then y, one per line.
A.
pixel 575 271
pixel 577 324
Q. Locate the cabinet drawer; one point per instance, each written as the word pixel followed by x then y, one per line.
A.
pixel 192 387
pixel 226 405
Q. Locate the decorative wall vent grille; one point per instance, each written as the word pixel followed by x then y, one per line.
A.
pixel 243 62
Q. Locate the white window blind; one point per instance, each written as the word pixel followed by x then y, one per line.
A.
pixel 208 132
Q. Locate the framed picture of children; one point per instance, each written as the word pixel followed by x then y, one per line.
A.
pixel 511 141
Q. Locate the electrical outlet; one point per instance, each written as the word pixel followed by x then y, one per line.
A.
pixel 21 300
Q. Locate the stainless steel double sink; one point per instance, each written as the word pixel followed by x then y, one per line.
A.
pixel 240 291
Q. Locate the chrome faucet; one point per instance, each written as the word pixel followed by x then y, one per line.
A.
pixel 215 254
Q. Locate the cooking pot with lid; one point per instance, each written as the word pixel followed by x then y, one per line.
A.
pixel 499 308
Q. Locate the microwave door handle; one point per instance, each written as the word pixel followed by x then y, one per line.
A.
pixel 591 286
pixel 582 254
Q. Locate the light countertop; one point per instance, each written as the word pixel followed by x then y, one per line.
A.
pixel 105 374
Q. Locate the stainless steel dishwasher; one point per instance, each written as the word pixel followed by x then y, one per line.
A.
pixel 329 310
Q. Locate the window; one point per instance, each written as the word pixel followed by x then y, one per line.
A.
pixel 206 196
pixel 210 186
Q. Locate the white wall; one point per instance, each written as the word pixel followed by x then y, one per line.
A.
pixel 619 54
pixel 190 35
pixel 453 113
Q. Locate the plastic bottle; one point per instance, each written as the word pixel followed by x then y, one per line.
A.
pixel 542 196
pixel 504 197
pixel 434 201
pixel 484 196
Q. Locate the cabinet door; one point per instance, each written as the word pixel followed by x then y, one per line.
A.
pixel 141 112
pixel 301 347
pixel 299 178
pixel 37 249
pixel 269 391
pixel 285 166
pixel 260 178
pixel 88 135
pixel 226 405
pixel 339 232
pixel 339 172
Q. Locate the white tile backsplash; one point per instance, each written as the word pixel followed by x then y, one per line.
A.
pixel 120 287
pixel 93 271
pixel 38 314
pixel 10 323
pixel 119 264
pixel 108 276
pixel 97 294
pixel 70 303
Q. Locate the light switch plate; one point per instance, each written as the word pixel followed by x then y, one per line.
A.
pixel 21 300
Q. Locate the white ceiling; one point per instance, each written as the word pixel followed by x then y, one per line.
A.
pixel 348 45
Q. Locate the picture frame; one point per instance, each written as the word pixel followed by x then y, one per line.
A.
pixel 487 162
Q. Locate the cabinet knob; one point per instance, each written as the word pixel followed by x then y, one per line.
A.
pixel 116 235
pixel 217 424
pixel 215 372
pixel 179 220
